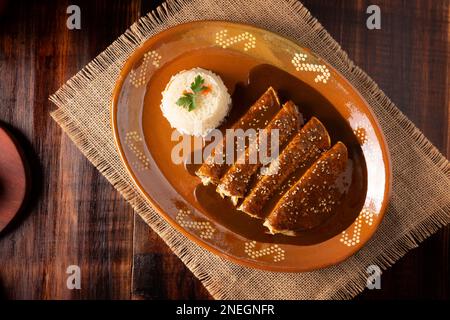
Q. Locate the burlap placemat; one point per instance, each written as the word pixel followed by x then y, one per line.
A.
pixel 420 202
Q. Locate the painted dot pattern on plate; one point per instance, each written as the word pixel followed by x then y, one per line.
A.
pixel 361 128
pixel 138 77
pixel 361 135
pixel 275 251
pixel 225 41
pixel 300 64
pixel 205 227
pixel 132 141
pixel 366 216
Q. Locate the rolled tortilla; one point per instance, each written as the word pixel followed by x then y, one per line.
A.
pixel 265 107
pixel 236 180
pixel 304 148
pixel 313 198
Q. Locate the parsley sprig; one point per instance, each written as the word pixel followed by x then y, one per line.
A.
pixel 187 100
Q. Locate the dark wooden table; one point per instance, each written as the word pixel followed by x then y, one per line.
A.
pixel 76 217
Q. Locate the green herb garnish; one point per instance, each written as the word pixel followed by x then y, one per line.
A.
pixel 187 100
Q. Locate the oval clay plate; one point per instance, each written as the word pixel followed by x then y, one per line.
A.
pixel 248 59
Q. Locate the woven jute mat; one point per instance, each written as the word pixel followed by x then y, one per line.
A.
pixel 420 202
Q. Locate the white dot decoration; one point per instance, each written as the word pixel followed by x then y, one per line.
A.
pixel 133 141
pixel 365 216
pixel 361 135
pixel 205 227
pixel 300 64
pixel 225 41
pixel 275 251
pixel 138 76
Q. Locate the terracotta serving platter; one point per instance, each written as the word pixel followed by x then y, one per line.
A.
pixel 248 59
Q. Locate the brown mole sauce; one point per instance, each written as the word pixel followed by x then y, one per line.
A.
pixel 310 103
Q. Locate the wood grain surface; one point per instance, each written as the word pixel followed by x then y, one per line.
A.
pixel 75 217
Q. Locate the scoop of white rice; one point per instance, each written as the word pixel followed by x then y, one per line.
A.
pixel 211 107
